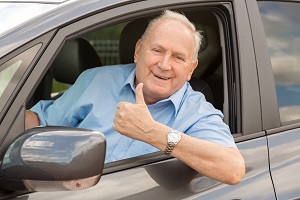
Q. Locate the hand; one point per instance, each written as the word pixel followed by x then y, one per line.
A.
pixel 134 120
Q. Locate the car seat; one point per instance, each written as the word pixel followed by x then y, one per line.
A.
pixel 75 57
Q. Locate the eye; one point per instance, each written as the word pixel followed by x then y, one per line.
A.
pixel 157 50
pixel 179 58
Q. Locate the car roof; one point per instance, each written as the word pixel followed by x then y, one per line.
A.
pixel 14 13
pixel 64 12
pixel 36 1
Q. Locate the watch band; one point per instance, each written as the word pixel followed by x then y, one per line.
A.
pixel 173 138
pixel 169 148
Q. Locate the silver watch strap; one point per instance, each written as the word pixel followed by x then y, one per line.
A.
pixel 169 148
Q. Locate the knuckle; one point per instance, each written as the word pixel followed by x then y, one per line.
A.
pixel 121 115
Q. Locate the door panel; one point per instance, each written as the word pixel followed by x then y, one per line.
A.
pixel 142 183
pixel 285 163
pixel 256 184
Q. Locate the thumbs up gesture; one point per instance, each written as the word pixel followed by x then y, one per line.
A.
pixel 134 120
pixel 139 96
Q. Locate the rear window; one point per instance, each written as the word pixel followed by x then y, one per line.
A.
pixel 282 28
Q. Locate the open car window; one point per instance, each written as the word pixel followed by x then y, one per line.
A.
pixel 115 45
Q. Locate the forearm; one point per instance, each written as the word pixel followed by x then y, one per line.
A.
pixel 31 120
pixel 210 159
pixel 213 160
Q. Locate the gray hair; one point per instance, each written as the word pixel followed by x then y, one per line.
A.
pixel 168 14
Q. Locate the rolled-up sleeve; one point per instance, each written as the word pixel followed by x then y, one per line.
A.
pixel 198 118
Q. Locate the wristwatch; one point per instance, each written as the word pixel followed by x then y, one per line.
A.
pixel 173 138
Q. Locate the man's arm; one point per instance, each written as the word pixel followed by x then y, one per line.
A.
pixel 31 120
pixel 221 163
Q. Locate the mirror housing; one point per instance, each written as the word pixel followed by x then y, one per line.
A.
pixel 54 158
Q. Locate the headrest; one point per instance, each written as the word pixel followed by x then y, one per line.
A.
pixel 210 53
pixel 200 85
pixel 75 57
pixel 131 33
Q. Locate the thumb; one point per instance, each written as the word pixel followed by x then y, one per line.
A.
pixel 139 97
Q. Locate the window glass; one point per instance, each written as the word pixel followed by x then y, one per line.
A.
pixel 7 74
pixel 281 22
pixel 12 71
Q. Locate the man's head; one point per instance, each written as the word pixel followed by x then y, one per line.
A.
pixel 166 55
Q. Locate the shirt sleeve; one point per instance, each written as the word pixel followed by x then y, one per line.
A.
pixel 198 118
pixel 211 127
pixel 64 110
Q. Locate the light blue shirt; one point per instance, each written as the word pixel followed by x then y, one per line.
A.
pixel 91 103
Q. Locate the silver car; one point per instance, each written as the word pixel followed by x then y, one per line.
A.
pixel 249 62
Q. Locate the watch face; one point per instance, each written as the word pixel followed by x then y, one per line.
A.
pixel 173 137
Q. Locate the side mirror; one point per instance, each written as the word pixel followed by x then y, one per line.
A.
pixel 52 159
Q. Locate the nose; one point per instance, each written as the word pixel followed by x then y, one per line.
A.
pixel 165 62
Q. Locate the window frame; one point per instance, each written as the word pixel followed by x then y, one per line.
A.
pixel 25 58
pixel 12 117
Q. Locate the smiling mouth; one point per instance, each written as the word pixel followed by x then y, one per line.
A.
pixel 161 77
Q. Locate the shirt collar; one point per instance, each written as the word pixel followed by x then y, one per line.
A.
pixel 129 81
pixel 176 98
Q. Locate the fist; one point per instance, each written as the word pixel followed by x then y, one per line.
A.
pixel 134 120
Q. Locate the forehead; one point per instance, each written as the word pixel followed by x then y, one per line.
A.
pixel 172 26
pixel 171 34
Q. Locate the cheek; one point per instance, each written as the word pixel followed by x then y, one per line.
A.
pixel 138 74
pixel 182 73
pixel 141 73
pixel 189 73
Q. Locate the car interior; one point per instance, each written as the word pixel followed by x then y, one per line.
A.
pixel 79 54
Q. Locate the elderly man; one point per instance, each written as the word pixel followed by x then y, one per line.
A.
pixel 149 105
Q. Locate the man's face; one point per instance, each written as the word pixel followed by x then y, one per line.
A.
pixel 164 60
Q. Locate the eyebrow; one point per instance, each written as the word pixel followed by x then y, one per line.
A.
pixel 174 52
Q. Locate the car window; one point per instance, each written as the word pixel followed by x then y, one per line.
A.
pixel 12 70
pixel 106 43
pixel 7 74
pixel 282 29
pixel 113 45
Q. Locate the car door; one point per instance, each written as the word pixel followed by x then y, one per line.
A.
pixel 282 42
pixel 155 175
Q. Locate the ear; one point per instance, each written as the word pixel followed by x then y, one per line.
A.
pixel 137 49
pixel 192 68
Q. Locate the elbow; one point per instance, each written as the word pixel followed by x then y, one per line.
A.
pixel 237 176
pixel 235 180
